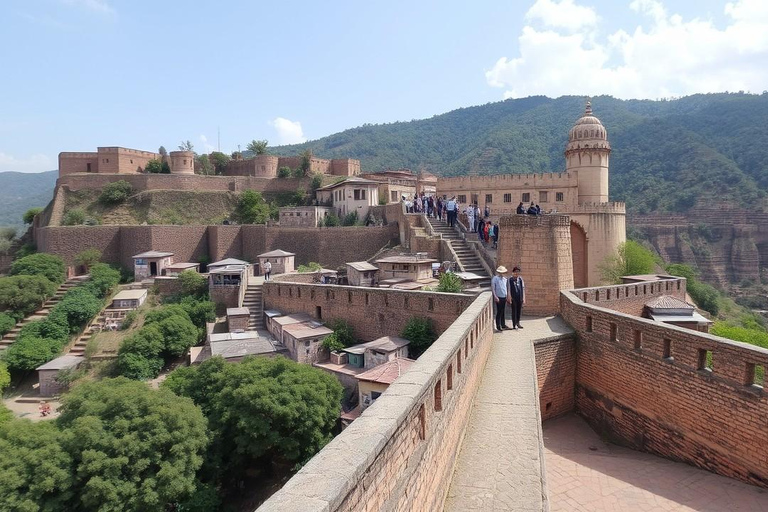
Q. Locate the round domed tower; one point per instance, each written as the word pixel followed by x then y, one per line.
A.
pixel 587 155
pixel 182 162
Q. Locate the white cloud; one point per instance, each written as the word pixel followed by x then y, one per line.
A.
pixel 207 147
pixel 564 14
pixel 35 163
pixel 664 56
pixel 101 6
pixel 288 132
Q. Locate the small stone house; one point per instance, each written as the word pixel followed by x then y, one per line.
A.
pixel 276 324
pixel 362 273
pixel 237 319
pixel 671 310
pixel 129 299
pixel 227 285
pixel 372 383
pixel 150 264
pixel 48 373
pixel 229 262
pixel 304 341
pixel 410 267
pixel 377 352
pixel 303 216
pixel 351 195
pixel 175 269
pixel 282 262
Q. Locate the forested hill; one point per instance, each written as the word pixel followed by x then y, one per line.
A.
pixel 20 191
pixel 666 154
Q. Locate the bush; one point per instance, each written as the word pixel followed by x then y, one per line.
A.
pixel 631 258
pixel 159 314
pixel 5 416
pixel 116 192
pixel 450 283
pixel 41 264
pixel 79 305
pixel 5 377
pixel 199 311
pixel 350 219
pixel 316 183
pixel 30 352
pixel 88 257
pixel 331 221
pixel 251 208
pixel 284 172
pixel 74 217
pixel 139 355
pixel 129 319
pixel 29 215
pixel 420 333
pixel 25 250
pixel 46 328
pixel 705 296
pixel 22 295
pixel 154 166
pixel 332 343
pixel 193 283
pixel 103 279
pixel 7 322
pixel 313 266
pixel 342 337
pixel 179 334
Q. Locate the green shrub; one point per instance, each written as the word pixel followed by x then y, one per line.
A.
pixel 138 367
pixel 7 322
pixel 29 215
pixel 41 264
pixel 450 283
pixel 193 283
pixel 5 377
pixel 312 266
pixel 350 219
pixel 284 172
pixel 332 343
pixel 88 257
pixel 154 166
pixel 103 279
pixel 331 221
pixel 159 314
pixel 28 353
pixel 420 333
pixel 22 295
pixel 179 334
pixel 45 328
pixel 129 319
pixel 5 414
pixel 74 217
pixel 116 192
pixel 25 250
pixel 199 311
pixel 79 305
pixel 705 296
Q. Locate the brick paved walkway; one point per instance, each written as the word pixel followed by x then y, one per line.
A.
pixel 586 474
pixel 500 464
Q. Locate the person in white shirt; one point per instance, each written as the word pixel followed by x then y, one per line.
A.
pixel 267 270
pixel 499 290
pixel 471 218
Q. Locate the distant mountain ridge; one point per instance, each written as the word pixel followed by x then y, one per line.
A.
pixel 667 155
pixel 20 191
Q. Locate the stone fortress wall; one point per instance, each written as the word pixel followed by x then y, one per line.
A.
pixel 331 246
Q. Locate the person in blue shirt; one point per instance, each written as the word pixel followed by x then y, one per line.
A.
pixel 516 296
pixel 499 289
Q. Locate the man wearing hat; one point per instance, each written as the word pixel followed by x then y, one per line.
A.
pixel 499 289
pixel 516 296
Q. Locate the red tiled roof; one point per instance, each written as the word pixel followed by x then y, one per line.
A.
pixel 387 373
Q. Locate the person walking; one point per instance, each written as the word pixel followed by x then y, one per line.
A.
pixel 471 218
pixel 499 289
pixel 451 208
pixel 516 296
pixel 267 270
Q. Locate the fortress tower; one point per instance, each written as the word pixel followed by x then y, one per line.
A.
pixel 586 155
pixel 182 162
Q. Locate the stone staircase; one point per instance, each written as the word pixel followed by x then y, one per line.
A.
pixel 466 256
pixel 41 313
pixel 254 302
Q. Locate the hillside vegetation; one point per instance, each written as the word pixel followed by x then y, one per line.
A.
pixel 20 191
pixel 667 155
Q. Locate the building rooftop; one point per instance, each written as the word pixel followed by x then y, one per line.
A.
pixel 182 265
pixel 62 363
pixel 384 344
pixel 229 269
pixel 227 261
pixel 362 266
pixel 668 302
pixel 694 317
pixel 387 373
pixel 276 254
pixel 406 259
pixel 646 277
pixel 242 347
pixel 349 181
pixel 130 294
pixel 153 254
pixel 237 311
pixel 307 330
pixel 292 319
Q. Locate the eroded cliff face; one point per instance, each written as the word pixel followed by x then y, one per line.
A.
pixel 728 246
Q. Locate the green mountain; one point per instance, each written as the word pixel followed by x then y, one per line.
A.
pixel 667 155
pixel 20 191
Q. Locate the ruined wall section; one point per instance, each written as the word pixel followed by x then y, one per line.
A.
pixel 647 385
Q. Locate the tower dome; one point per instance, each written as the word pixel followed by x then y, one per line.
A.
pixel 587 132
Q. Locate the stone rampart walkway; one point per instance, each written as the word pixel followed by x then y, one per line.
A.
pixel 501 463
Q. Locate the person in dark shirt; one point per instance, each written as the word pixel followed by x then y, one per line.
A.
pixel 538 210
pixel 532 210
pixel 516 296
pixel 520 209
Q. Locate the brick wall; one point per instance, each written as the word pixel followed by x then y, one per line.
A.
pixel 630 298
pixel 629 390
pixel 541 247
pixel 399 454
pixel 556 372
pixel 372 312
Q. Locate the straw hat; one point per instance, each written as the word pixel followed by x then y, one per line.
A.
pixel 502 270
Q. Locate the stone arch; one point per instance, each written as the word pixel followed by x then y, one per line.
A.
pixel 579 253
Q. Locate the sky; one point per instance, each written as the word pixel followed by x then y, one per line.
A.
pixel 78 74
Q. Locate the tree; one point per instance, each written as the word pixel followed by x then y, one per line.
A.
pixel 154 166
pixel 28 353
pixel 88 257
pixel 79 305
pixel 331 221
pixel 630 259
pixel 342 337
pixel 7 233
pixel 450 283
pixel 133 448
pixel 21 295
pixel 306 162
pixel 29 215
pixel 204 166
pixel 284 172
pixel 186 145
pixel 251 208
pixel 139 355
pixel 261 407
pixel 179 334
pixel 704 295
pixel 74 217
pixel 257 147
pixel 420 333
pixel 162 151
pixel 116 192
pixel 36 472
pixel 103 279
pixel 219 161
pixel 316 183
pixel 7 322
pixel 5 377
pixel 165 168
pixel 193 283
pixel 41 264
